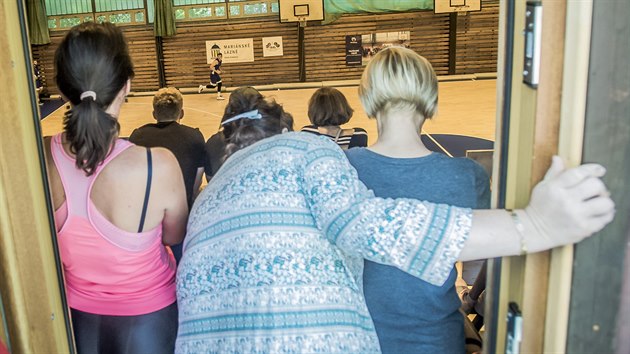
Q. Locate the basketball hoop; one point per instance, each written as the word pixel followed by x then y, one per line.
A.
pixel 302 21
pixel 461 7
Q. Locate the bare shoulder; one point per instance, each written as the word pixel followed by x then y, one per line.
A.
pixel 132 158
pixel 135 158
pixel 165 164
pixel 130 165
pixel 163 158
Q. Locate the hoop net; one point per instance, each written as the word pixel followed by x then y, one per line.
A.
pixel 302 21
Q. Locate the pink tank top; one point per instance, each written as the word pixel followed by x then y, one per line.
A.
pixel 108 271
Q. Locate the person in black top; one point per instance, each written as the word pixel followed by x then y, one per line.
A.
pixel 215 154
pixel 215 146
pixel 328 109
pixel 186 143
pixel 215 77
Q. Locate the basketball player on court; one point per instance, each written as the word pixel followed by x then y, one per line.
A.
pixel 215 77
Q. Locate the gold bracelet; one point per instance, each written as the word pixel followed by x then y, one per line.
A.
pixel 520 228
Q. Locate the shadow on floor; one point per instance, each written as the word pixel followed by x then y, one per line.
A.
pixel 456 145
pixel 49 106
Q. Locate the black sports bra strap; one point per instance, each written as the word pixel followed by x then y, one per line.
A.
pixel 147 193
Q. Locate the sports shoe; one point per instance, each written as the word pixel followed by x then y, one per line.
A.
pixel 219 97
pixel 200 89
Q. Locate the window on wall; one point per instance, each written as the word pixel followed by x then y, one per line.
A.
pixel 255 9
pixel 195 10
pixel 65 7
pixel 108 5
pixel 196 2
pixel 63 14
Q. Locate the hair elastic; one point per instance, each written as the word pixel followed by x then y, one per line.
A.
pixel 247 115
pixel 88 94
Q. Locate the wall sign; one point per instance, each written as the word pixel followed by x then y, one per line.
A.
pixel 233 50
pixel 353 50
pixel 272 47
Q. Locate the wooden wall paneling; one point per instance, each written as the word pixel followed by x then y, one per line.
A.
pixel 477 39
pixel 141 41
pixel 426 32
pixel 44 54
pixel 430 38
pixel 185 54
pixel 325 45
pixel 141 48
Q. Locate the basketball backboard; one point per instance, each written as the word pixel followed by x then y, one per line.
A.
pixel 446 6
pixel 301 10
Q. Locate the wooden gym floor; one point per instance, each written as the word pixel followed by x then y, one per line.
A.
pixel 464 108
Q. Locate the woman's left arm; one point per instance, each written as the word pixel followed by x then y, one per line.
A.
pixel 417 237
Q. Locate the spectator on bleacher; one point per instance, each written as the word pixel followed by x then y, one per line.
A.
pixel 418 317
pixel 116 204
pixel 328 109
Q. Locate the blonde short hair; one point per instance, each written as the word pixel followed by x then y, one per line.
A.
pixel 167 104
pixel 399 78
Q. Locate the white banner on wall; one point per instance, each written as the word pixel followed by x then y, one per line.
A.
pixel 233 50
pixel 272 46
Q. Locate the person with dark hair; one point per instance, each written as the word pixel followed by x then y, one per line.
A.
pixel 116 204
pixel 215 77
pixel 186 143
pixel 400 90
pixel 215 146
pixel 242 120
pixel 276 241
pixel 328 109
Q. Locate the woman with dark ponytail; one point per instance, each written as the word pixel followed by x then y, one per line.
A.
pixel 116 204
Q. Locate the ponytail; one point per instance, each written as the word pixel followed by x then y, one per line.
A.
pixel 92 66
pixel 91 133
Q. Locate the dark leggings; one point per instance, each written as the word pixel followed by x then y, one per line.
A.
pixel 152 333
pixel 218 86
